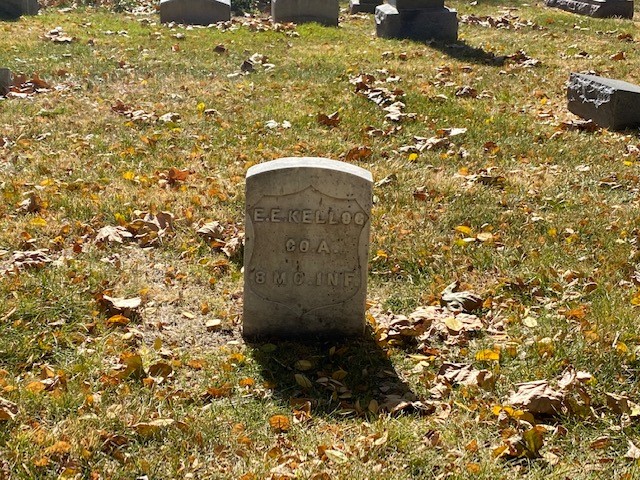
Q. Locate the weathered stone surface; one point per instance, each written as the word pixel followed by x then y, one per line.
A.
pixel 595 8
pixel 306 248
pixel 363 6
pixel 195 12
pixel 324 12
pixel 415 4
pixel 439 23
pixel 610 103
pixel 16 8
pixel 6 80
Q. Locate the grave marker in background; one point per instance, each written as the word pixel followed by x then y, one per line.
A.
pixel 324 12
pixel 417 20
pixel 306 251
pixel 609 103
pixel 6 80
pixel 195 12
pixel 595 8
pixel 366 6
pixel 16 8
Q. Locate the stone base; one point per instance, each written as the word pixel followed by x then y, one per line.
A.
pixel 16 8
pixel 424 24
pixel 595 8
pixel 324 12
pixel 612 104
pixel 195 12
pixel 6 80
pixel 363 6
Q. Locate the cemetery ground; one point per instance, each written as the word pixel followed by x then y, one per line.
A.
pixel 123 150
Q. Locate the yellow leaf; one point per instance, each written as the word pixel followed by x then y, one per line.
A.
pixel 336 456
pixel 303 365
pixel 635 300
pixel 453 324
pixel 35 387
pixel 488 355
pixel 201 107
pixel 279 423
pixel 129 175
pixel 303 381
pixel 38 222
pixel 464 230
pixel 154 427
pixel 58 448
pixel 413 157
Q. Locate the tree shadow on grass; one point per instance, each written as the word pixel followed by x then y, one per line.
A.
pixel 462 51
pixel 336 376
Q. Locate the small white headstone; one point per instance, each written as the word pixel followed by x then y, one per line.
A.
pixel 307 246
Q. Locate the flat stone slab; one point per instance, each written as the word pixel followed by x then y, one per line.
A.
pixel 15 8
pixel 306 248
pixel 610 103
pixel 324 12
pixel 439 23
pixel 595 8
pixel 363 6
pixel 195 12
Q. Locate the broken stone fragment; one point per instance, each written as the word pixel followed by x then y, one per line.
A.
pixel 610 103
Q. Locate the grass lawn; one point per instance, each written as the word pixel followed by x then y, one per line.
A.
pixel 121 353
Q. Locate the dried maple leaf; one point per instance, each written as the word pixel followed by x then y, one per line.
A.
pixel 279 423
pixel 331 120
pixel 358 153
pixel 153 427
pixel 211 230
pixel 538 397
pixel 111 234
pixel 31 258
pixel 465 374
pixel 233 246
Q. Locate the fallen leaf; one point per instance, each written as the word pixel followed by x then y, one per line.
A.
pixel 279 423
pixel 153 427
pixel 8 410
pixel 331 120
pixel 465 301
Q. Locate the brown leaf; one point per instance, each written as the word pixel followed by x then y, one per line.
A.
pixel 123 306
pixel 358 153
pixel 279 423
pixel 161 370
pixel 331 120
pixel 538 397
pixel 31 258
pixel 211 230
pixel 233 246
pixel 8 410
pixel 154 427
pixel 111 234
pixel 465 374
pixel 618 56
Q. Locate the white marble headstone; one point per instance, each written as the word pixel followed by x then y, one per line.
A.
pixel 307 246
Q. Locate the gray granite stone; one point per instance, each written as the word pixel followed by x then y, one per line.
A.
pixel 433 23
pixel 195 12
pixel 6 80
pixel 610 103
pixel 16 8
pixel 415 4
pixel 595 8
pixel 363 6
pixel 324 12
pixel 306 248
